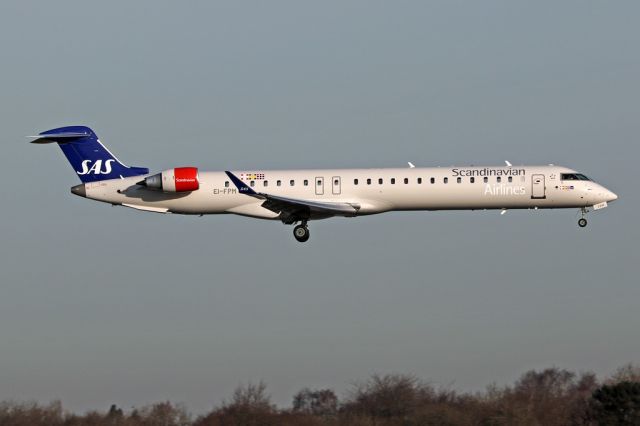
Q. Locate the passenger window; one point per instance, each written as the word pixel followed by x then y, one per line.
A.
pixel 433 180
pixel 336 182
pixel 459 179
pixel 355 181
pixel 266 183
pixel 393 181
pixel 472 179
pixel 406 180
pixel 510 179
pixel 253 183
pixel 368 181
pixel 226 184
pixel 292 182
pixel 306 182
pixel 319 183
pixel 419 181
pixel 486 179
pixel 278 183
pixel 446 180
pixel 498 179
pixel 380 181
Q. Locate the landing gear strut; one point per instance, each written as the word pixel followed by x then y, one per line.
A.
pixel 301 232
pixel 583 222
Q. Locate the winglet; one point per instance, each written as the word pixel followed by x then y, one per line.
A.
pixel 411 166
pixel 242 187
pixel 508 163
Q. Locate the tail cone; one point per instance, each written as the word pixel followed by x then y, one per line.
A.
pixel 79 190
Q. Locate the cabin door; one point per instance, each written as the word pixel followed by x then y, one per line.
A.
pixel 537 186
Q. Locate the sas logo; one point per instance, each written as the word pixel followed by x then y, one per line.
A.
pixel 96 168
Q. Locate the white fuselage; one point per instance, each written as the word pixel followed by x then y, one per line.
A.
pixel 373 190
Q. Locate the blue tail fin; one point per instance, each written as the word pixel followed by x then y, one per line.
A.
pixel 88 157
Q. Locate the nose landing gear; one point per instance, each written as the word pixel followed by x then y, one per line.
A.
pixel 301 232
pixel 582 222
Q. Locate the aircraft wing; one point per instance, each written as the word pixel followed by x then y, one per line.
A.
pixel 296 206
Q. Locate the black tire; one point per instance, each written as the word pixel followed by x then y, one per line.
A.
pixel 301 233
pixel 582 222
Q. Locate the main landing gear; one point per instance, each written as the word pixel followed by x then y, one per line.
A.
pixel 301 232
pixel 582 222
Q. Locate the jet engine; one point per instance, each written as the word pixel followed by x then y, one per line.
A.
pixel 179 179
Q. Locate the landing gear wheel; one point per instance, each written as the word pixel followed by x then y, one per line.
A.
pixel 582 222
pixel 301 233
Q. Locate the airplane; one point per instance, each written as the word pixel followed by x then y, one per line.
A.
pixel 296 197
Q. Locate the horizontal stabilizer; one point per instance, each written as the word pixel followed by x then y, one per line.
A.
pixel 58 138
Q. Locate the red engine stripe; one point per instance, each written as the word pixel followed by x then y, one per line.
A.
pixel 186 179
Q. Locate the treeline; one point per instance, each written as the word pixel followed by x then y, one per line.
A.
pixel 549 397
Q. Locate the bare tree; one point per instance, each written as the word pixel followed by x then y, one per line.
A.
pixel 164 414
pixel 392 395
pixel 627 373
pixel 31 414
pixel 551 397
pixel 321 402
pixel 250 406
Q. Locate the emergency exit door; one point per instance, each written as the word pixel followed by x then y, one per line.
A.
pixel 335 185
pixel 319 186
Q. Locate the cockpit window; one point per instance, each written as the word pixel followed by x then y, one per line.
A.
pixel 573 176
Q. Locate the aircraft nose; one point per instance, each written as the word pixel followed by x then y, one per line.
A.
pixel 611 196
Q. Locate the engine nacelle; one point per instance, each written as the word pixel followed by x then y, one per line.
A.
pixel 179 179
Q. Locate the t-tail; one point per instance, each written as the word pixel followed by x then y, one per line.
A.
pixel 91 160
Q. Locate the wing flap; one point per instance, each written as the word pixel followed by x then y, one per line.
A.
pixel 274 202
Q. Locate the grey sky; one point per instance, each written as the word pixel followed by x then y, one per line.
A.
pixel 102 305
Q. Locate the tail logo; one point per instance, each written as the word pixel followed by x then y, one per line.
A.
pixel 96 168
